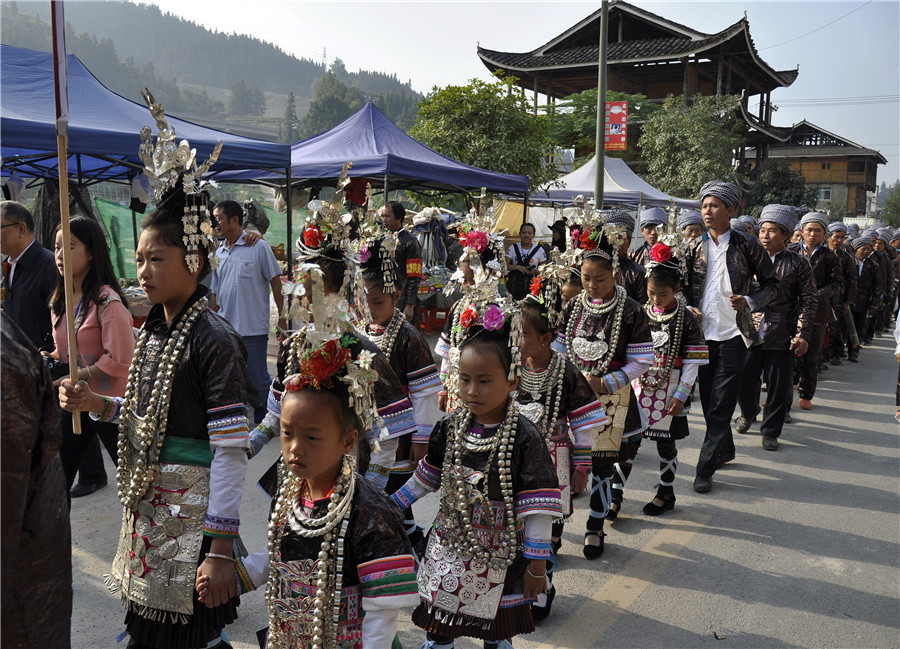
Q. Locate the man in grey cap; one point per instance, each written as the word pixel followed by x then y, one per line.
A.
pixel 632 276
pixel 720 267
pixel 690 223
pixel 652 218
pixel 886 256
pixel 748 223
pixel 837 330
pixel 785 326
pixel 826 270
pixel 868 288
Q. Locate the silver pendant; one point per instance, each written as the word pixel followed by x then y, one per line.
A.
pixel 660 338
pixel 589 350
pixel 534 411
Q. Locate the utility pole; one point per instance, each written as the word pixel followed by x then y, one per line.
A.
pixel 601 107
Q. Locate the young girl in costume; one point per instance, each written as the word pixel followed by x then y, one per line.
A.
pixel 486 557
pixel 410 358
pixel 182 434
pixel 606 335
pixel 338 567
pixel 678 351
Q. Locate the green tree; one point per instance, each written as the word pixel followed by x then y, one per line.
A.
pixel 891 213
pixel 201 103
pixel 778 183
pixel 573 122
pixel 257 102
pixel 332 104
pixel 239 102
pixel 487 125
pixel 290 125
pixel 687 146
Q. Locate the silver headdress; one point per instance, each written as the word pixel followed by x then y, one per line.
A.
pixel 167 164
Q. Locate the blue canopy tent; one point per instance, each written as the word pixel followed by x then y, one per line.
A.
pixel 620 186
pixel 103 126
pixel 386 156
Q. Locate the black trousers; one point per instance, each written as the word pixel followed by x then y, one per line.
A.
pixel 808 364
pixel 73 446
pixel 837 334
pixel 720 382
pixel 776 367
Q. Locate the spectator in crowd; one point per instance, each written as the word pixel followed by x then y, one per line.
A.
pixel 690 223
pixel 523 260
pixel 651 219
pixel 632 276
pixel 240 293
pixel 408 256
pixel 838 335
pixel 29 274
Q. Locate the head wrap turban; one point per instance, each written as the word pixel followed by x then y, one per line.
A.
pixel 784 216
pixel 837 226
pixel 814 217
pixel 869 234
pixel 653 216
pixel 728 193
pixel 859 242
pixel 689 217
pixel 621 219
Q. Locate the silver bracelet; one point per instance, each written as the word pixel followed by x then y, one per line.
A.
pixel 528 570
pixel 213 555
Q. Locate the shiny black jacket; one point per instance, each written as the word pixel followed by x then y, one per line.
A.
pixel 849 274
pixel 826 269
pixel 869 288
pixel 792 311
pixel 633 278
pixel 745 259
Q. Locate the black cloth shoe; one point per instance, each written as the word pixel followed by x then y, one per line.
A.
pixel 540 613
pixel 835 361
pixel 770 443
pixel 82 489
pixel 655 510
pixel 703 485
pixel 613 514
pixel 853 358
pixel 593 551
pixel 788 419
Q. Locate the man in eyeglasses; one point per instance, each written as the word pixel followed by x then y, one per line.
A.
pixel 29 274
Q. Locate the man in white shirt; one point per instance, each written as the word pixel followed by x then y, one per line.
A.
pixel 721 265
pixel 240 293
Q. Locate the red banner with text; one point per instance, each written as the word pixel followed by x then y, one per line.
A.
pixel 616 132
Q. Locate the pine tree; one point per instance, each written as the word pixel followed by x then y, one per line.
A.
pixel 290 125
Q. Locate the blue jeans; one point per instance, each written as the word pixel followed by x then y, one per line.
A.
pixel 257 354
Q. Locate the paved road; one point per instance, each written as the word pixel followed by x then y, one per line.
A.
pixel 797 548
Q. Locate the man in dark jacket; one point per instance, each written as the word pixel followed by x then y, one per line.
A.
pixel 869 288
pixel 838 335
pixel 409 257
pixel 720 267
pixel 785 326
pixel 36 540
pixel 29 275
pixel 826 270
pixel 652 219
pixel 885 255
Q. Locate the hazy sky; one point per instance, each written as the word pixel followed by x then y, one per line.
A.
pixel 849 80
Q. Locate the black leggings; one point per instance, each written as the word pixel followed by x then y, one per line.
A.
pixel 73 446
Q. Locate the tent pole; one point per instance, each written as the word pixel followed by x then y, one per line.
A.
pixel 386 189
pixel 288 246
pixel 637 221
pixel 525 210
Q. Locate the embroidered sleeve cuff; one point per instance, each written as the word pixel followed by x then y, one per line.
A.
pixel 398 419
pixel 112 406
pixel 539 501
pixel 559 345
pixel 244 581
pixel 695 354
pixel 223 528
pixel 536 549
pixel 581 456
pixel 589 416
pixel 228 426
pixel 682 392
pixel 424 381
pixel 538 530
pixel 615 381
pixel 273 401
pixel 388 583
pixel 428 476
pixel 442 348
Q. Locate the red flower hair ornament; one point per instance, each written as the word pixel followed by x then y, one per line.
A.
pixel 319 367
pixel 536 286
pixel 660 253
pixel 313 236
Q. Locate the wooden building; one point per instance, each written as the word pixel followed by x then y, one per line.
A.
pixel 656 57
pixel 842 171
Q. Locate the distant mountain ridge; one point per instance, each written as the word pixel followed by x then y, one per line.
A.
pixel 173 55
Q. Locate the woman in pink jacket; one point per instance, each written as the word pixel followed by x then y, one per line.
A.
pixel 104 335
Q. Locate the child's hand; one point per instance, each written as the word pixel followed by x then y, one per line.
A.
pixel 216 576
pixel 534 586
pixel 418 452
pixel 442 402
pixel 579 481
pixel 676 407
pixel 596 383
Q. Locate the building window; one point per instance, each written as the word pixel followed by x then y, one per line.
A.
pixel 824 193
pixel 826 165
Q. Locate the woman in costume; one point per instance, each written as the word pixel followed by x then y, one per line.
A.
pixel 338 567
pixel 555 396
pixel 606 335
pixel 182 426
pixel 679 350
pixel 485 562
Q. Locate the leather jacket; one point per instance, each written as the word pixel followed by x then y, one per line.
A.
pixel 869 289
pixel 826 270
pixel 633 278
pixel 745 259
pixel 793 309
pixel 849 275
